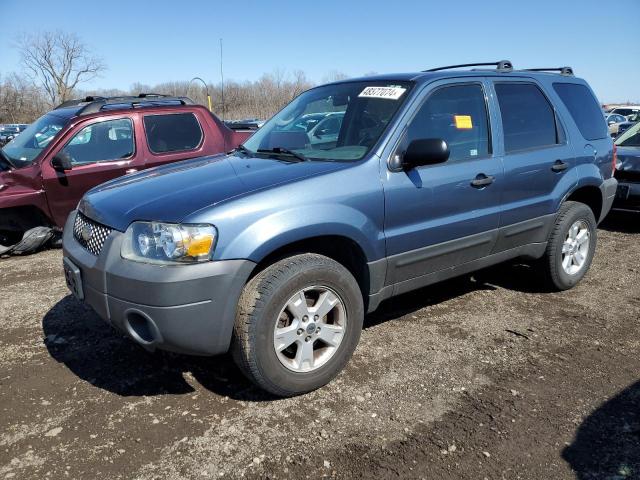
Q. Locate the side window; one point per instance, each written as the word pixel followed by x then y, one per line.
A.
pixel 528 121
pixel 584 109
pixel 102 141
pixel 177 132
pixel 458 115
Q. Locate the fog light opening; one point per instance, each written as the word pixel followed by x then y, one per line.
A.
pixel 142 328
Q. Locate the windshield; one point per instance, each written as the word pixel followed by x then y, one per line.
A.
pixel 24 149
pixel 630 138
pixel 335 122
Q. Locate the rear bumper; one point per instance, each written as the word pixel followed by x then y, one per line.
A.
pixel 608 189
pixel 627 196
pixel 184 308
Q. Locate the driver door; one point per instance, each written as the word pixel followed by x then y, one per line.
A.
pixel 443 215
pixel 100 151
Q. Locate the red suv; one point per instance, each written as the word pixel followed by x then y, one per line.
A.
pixel 82 143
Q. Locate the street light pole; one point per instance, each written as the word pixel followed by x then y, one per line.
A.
pixel 206 88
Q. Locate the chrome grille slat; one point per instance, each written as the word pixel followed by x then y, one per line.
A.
pixel 99 233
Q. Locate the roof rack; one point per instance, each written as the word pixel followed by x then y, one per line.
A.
pixel 501 66
pixel 563 70
pixel 94 104
pixel 78 101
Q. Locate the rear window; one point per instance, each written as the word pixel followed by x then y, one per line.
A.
pixel 176 132
pixel 528 121
pixel 583 108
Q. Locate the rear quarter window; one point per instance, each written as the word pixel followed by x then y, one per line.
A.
pixel 584 109
pixel 176 132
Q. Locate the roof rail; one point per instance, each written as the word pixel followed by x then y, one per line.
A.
pixel 501 66
pixel 93 104
pixel 563 70
pixel 78 101
pixel 143 100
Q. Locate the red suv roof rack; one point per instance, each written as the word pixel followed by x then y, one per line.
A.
pixel 93 104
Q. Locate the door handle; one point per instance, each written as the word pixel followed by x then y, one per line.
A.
pixel 482 180
pixel 131 170
pixel 559 166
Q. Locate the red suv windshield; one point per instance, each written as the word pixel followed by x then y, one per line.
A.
pixel 26 147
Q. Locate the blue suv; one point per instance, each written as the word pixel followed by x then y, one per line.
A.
pixel 276 250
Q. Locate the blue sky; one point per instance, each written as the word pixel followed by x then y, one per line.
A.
pixel 155 41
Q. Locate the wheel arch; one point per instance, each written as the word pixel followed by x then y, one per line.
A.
pixel 339 247
pixel 590 195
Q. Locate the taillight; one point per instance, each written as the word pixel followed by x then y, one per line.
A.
pixel 615 159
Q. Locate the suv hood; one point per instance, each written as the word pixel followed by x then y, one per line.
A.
pixel 170 193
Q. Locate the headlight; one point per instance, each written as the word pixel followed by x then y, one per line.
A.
pixel 168 243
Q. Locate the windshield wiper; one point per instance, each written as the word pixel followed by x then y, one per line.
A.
pixel 283 151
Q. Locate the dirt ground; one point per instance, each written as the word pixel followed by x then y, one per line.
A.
pixel 485 376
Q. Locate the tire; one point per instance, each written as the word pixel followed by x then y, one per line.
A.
pixel 561 276
pixel 267 302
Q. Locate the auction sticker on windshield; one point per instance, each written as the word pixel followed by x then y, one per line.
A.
pixel 391 93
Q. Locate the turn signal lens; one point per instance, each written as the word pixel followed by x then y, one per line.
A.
pixel 199 245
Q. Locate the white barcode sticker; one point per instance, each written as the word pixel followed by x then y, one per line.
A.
pixel 391 93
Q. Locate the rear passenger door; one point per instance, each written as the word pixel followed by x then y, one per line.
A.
pixel 439 216
pixel 537 161
pixel 171 137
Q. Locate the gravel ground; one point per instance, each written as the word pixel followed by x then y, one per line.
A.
pixel 485 376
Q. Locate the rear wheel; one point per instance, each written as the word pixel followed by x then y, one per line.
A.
pixel 571 246
pixel 297 325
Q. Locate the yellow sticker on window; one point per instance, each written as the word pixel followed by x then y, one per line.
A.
pixel 463 122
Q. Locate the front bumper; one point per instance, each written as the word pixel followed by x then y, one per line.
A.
pixel 627 196
pixel 183 308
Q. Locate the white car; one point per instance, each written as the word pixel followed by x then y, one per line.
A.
pixel 613 122
pixel 626 110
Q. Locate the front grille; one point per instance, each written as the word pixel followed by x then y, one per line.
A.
pixel 628 176
pixel 91 235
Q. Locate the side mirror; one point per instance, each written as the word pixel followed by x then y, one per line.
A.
pixel 426 151
pixel 61 162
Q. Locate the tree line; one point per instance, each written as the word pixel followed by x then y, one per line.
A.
pixel 57 64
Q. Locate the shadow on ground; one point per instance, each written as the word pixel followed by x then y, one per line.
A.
pixel 607 443
pixel 106 358
pixel 624 222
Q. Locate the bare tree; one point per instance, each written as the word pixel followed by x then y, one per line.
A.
pixel 334 76
pixel 59 61
pixel 20 100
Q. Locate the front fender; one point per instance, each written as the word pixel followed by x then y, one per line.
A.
pixel 281 228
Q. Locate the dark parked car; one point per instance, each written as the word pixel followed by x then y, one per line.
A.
pixel 45 171
pixel 628 170
pixel 277 250
pixel 9 132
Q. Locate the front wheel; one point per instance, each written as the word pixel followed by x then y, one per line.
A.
pixel 571 246
pixel 297 325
